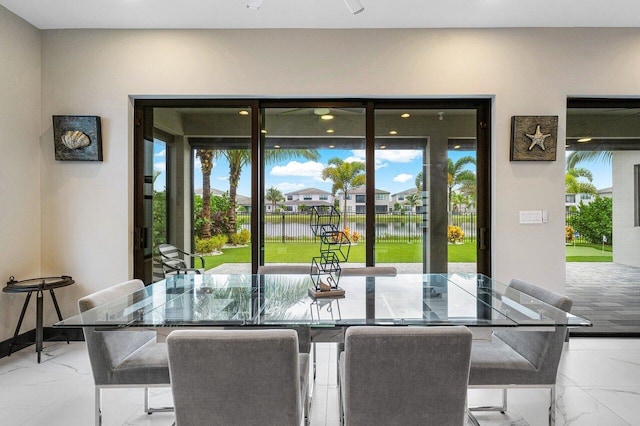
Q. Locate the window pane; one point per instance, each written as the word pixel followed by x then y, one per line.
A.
pixel 303 152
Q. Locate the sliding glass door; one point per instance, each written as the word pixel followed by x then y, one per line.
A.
pixel 408 179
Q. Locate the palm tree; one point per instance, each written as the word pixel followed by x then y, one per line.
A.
pixel 457 175
pixel 345 177
pixel 206 159
pixel 412 200
pixel 575 186
pixel 419 182
pixel 579 156
pixel 237 159
pixel 274 195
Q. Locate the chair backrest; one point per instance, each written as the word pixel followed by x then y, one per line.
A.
pixel 239 377
pixel 370 271
pixel 406 375
pixel 286 269
pixel 107 349
pixel 168 251
pixel 541 348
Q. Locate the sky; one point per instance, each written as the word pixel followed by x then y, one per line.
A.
pixel 396 171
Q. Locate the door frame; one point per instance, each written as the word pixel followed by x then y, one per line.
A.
pixel 143 128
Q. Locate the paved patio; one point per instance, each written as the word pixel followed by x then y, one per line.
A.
pixel 606 293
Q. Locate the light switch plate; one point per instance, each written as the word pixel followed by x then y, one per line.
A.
pixel 530 217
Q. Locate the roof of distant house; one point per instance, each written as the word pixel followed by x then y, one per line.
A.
pixel 362 189
pixel 306 191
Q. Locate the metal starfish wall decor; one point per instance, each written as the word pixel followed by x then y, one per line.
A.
pixel 534 138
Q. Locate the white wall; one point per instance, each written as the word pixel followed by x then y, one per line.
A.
pixel 19 163
pixel 626 236
pixel 87 213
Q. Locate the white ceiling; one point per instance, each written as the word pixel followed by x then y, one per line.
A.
pixel 55 14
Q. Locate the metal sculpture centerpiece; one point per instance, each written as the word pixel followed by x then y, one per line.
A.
pixel 334 248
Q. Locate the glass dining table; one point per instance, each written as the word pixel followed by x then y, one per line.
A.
pixel 271 301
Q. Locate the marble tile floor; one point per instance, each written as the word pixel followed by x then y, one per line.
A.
pixel 598 384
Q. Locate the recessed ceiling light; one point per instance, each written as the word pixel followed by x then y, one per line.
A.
pixel 327 117
pixel 393 132
pixel 383 146
pixel 330 130
pixel 332 146
pixel 583 140
pixel 405 115
pixel 263 131
pixel 244 112
pixel 321 111
pixel 456 147
pixel 276 146
pixel 254 4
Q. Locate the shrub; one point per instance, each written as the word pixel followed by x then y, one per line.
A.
pixel 204 245
pixel 568 233
pixel 352 236
pixel 210 245
pixel 241 238
pixel 455 234
pixel 218 241
pixel 594 220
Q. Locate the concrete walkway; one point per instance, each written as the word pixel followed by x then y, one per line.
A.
pixel 606 293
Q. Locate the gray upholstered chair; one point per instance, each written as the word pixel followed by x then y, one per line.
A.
pixel 404 375
pixel 174 260
pixel 370 271
pixel 520 358
pixel 238 377
pixel 123 358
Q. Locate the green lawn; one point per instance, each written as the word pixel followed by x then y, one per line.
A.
pixel 589 253
pixel 304 252
pixel 386 253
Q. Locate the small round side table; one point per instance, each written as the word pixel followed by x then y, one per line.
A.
pixel 39 285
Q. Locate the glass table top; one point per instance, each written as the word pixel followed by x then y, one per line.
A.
pixel 283 300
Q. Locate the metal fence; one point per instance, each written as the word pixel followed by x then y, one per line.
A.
pixel 577 238
pixel 395 228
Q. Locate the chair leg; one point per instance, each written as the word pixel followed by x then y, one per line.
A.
pixel 504 401
pixel 151 410
pixel 552 406
pixel 98 406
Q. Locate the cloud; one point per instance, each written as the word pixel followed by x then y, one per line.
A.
pixel 294 168
pixel 289 186
pixel 160 166
pixel 403 177
pixel 354 159
pixel 392 155
pixel 162 153
pixel 222 178
pixel 398 155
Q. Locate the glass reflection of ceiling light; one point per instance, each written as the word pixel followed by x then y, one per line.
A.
pixel 327 117
pixel 263 131
pixel 354 6
pixel 405 115
pixel 254 4
pixel 330 130
pixel 383 146
pixel 332 146
pixel 321 111
pixel 583 140
pixel 393 132
pixel 244 112
pixel 456 147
